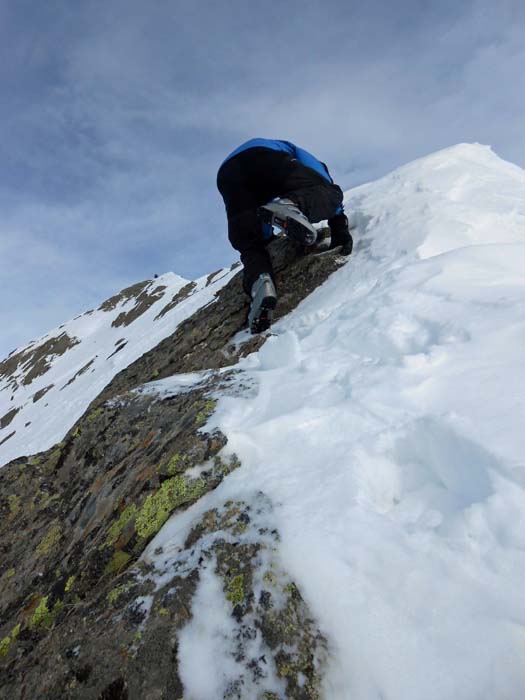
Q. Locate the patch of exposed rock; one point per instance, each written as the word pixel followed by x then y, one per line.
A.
pixel 34 361
pixel 182 294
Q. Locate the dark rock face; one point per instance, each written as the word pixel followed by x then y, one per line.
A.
pixel 6 419
pixel 41 393
pixel 182 294
pixel 84 612
pixel 143 302
pixel 7 437
pixel 126 294
pixel 80 372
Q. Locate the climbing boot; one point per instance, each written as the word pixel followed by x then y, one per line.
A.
pixel 264 301
pixel 285 214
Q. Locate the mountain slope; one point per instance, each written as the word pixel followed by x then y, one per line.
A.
pixel 46 386
pixel 333 510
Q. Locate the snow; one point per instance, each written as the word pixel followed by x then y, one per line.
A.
pixel 386 427
pixel 203 665
pixel 207 649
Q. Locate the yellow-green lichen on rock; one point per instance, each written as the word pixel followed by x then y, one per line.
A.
pixel 45 499
pixel 50 540
pixel 5 643
pixel 226 468
pixel 54 456
pixel 14 503
pixel 115 594
pixel 205 412
pixel 176 464
pixel 158 506
pixel 43 617
pixel 117 562
pixel 94 414
pixel 235 590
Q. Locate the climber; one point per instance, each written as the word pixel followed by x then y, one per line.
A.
pixel 264 183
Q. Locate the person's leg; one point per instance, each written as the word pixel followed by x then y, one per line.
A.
pixel 317 198
pixel 244 228
pixel 245 235
pixel 246 182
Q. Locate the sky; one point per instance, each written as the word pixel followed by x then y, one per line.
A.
pixel 116 114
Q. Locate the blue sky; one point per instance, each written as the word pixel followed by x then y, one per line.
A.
pixel 116 114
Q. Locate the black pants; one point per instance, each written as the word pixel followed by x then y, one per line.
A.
pixel 254 177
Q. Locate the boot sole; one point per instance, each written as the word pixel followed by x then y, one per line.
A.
pixel 265 316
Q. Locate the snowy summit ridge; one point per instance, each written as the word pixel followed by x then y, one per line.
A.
pixel 335 513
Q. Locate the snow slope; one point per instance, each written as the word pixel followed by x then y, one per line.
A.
pixel 46 386
pixel 386 425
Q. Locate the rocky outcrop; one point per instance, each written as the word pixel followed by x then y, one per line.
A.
pixel 34 361
pixel 182 294
pixel 87 609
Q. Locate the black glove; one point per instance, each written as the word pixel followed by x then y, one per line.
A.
pixel 347 246
pixel 340 233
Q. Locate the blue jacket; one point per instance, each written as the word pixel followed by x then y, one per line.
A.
pixel 302 156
